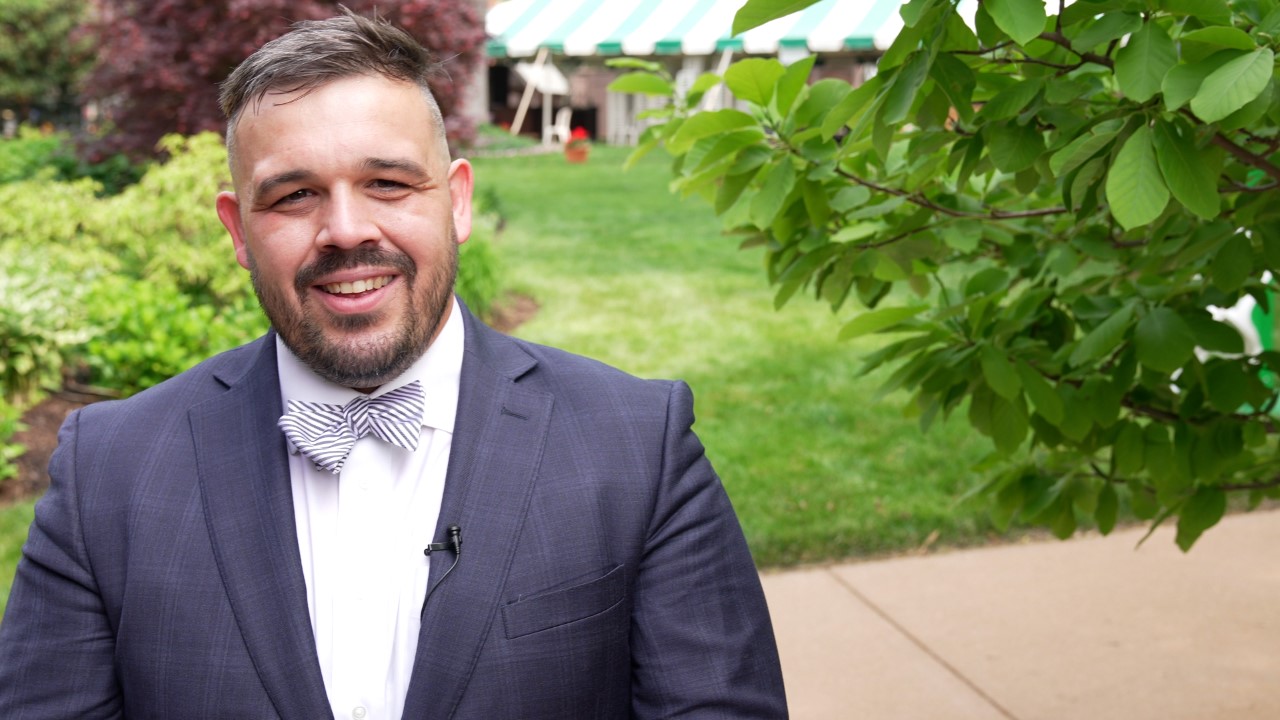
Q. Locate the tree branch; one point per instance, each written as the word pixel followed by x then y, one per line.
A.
pixel 1243 155
pixel 917 199
pixel 1061 40
pixel 1260 485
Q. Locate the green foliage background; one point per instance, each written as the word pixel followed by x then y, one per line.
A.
pixel 1042 209
pixel 122 291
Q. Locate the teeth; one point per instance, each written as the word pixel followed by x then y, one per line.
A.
pixel 359 286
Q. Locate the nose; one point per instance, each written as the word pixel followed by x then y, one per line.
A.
pixel 348 222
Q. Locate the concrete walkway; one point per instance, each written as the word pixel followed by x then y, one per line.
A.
pixel 1085 629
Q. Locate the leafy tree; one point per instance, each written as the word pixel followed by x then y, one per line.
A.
pixel 1040 209
pixel 160 62
pixel 41 60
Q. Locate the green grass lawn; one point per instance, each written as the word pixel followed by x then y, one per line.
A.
pixel 630 274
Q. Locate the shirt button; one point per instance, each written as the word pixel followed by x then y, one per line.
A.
pixel 358 713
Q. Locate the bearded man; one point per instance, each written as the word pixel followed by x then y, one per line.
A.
pixel 381 509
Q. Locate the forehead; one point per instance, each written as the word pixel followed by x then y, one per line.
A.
pixel 349 119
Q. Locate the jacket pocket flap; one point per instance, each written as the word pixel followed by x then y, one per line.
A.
pixel 560 607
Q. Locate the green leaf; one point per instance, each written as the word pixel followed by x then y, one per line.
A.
pixel 1220 37
pixel 758 12
pixel 1041 393
pixel 635 64
pixel 641 82
pixel 999 372
pixel 699 88
pixel 988 280
pixel 731 189
pixel 1104 338
pixel 1022 20
pixel 1110 26
pixel 1251 112
pixel 754 79
pixel 1013 147
pixel 1142 63
pixel 1182 82
pixel 1080 151
pixel 1200 512
pixel 1163 340
pixel 766 205
pixel 902 90
pixel 1006 505
pixel 913 10
pixel 854 105
pixel 705 124
pixel 1135 187
pixel 956 81
pixel 1215 12
pixel 1107 510
pixel 1127 453
pixel 1233 85
pixel 1233 263
pixel 1008 424
pixel 726 145
pixel 874 321
pixel 1214 336
pixel 1226 385
pixel 1186 169
pixel 793 80
pixel 1011 100
pixel 823 96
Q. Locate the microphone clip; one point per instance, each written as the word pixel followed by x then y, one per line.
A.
pixel 454 542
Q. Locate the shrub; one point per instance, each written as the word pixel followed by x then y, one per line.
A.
pixel 152 331
pixel 164 227
pixel 38 322
pixel 35 155
pixel 145 285
pixel 27 154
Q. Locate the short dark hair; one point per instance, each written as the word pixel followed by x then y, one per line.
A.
pixel 315 52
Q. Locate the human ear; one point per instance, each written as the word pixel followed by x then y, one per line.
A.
pixel 229 213
pixel 461 183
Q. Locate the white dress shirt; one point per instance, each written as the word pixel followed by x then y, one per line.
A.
pixel 361 533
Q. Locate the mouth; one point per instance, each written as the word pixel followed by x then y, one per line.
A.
pixel 357 287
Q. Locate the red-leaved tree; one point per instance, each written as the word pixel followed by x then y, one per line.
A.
pixel 160 61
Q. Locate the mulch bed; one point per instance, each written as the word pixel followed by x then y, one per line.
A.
pixel 44 419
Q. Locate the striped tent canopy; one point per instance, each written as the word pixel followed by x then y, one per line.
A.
pixel 520 28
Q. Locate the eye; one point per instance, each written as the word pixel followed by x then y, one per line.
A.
pixel 293 198
pixel 384 184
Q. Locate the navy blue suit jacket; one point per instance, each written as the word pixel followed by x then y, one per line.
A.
pixel 603 572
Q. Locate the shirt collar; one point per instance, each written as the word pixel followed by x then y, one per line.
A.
pixel 439 371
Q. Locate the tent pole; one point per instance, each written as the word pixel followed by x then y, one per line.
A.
pixel 546 118
pixel 527 97
pixel 714 99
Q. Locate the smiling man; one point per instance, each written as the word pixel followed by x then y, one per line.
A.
pixel 279 532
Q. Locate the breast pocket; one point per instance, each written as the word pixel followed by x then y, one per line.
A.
pixel 563 606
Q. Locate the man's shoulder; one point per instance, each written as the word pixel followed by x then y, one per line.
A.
pixel 568 370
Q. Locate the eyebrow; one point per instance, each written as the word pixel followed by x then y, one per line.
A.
pixel 402 165
pixel 271 183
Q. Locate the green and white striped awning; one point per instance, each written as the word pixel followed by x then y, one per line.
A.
pixel 519 28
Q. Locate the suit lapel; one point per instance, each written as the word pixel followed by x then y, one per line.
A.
pixel 244 481
pixel 497 445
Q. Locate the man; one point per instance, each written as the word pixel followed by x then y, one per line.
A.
pixel 227 544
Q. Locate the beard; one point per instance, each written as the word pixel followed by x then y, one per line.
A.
pixel 336 352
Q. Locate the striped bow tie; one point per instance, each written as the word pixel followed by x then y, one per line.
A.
pixel 326 433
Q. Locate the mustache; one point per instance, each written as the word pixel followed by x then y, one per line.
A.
pixel 357 257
